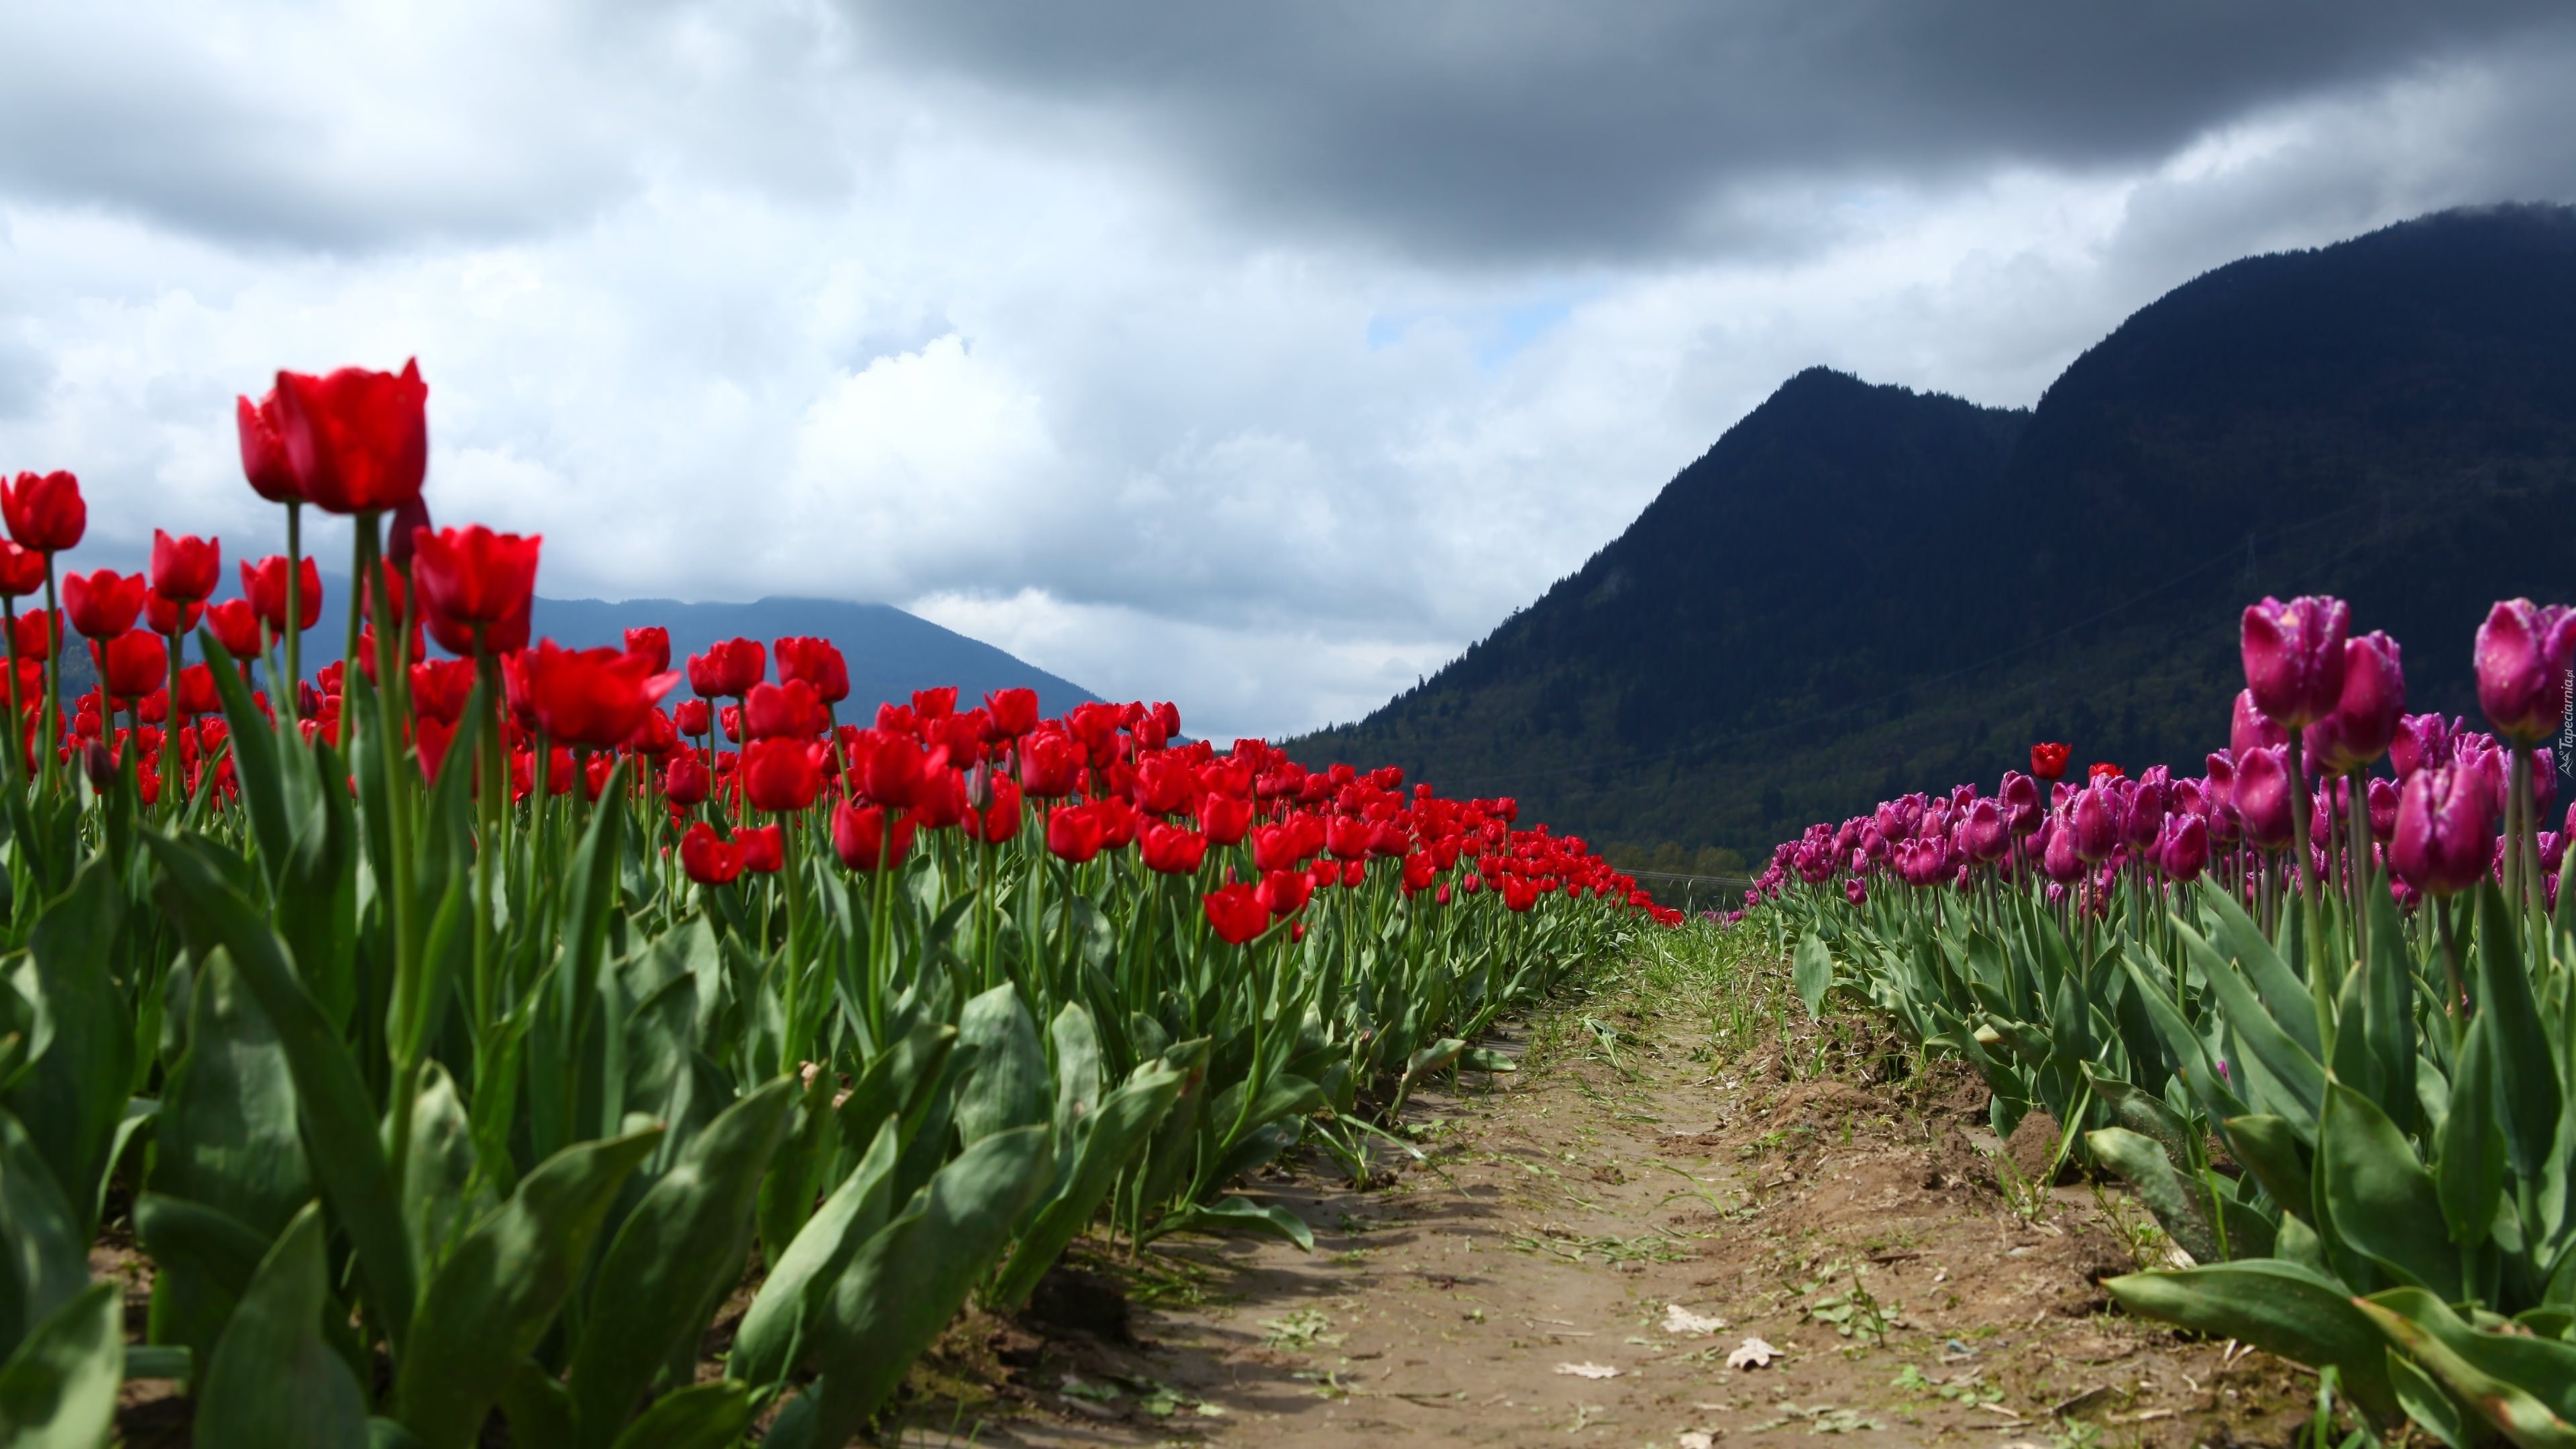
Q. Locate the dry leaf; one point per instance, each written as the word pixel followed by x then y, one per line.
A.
pixel 1588 1370
pixel 1752 1353
pixel 1695 1439
pixel 1678 1319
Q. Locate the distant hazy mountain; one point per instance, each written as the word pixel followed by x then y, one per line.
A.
pixel 1860 590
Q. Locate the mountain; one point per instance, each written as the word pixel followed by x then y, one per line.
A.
pixel 890 653
pixel 1863 589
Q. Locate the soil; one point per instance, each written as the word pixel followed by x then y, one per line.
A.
pixel 1584 1250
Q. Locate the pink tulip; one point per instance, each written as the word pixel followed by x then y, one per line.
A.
pixel 2182 850
pixel 2020 796
pixel 1984 833
pixel 2522 659
pixel 2057 857
pixel 2249 729
pixel 2294 657
pixel 2421 740
pixel 2445 839
pixel 2095 821
pixel 2383 810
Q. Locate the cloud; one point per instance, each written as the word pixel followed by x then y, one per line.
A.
pixel 1253 366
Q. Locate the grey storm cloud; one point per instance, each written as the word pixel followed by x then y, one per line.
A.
pixel 1572 128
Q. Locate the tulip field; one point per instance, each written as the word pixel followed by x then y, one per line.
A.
pixel 2321 1019
pixel 451 1034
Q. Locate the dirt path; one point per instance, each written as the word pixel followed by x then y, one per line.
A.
pixel 1555 1270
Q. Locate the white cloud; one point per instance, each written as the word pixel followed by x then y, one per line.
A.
pixel 725 304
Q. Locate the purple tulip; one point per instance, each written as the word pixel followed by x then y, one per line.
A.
pixel 2020 795
pixel 2225 825
pixel 1854 891
pixel 2294 657
pixel 2366 713
pixel 2522 657
pixel 2057 857
pixel 2421 740
pixel 2150 800
pixel 1984 833
pixel 2263 798
pixel 2249 729
pixel 2095 821
pixel 2544 783
pixel 2222 775
pixel 2383 810
pixel 2182 850
pixel 2445 840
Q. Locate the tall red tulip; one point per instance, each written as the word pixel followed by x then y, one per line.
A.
pixel 728 669
pixel 22 570
pixel 790 710
pixel 814 662
pixel 868 838
pixel 594 697
pixel 133 664
pixel 1000 820
pixel 186 568
pixel 2294 657
pixel 1172 849
pixel 44 511
pixel 358 440
pixel 1236 912
pixel 1073 833
pixel 685 781
pixel 709 858
pixel 264 584
pixel 781 774
pixel 263 450
pixel 764 848
pixel 236 626
pixel 103 603
pixel 1224 818
pixel 472 578
pixel 169 617
pixel 2048 759
pixel 1014 712
pixel 651 641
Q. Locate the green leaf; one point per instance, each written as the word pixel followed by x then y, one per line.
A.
pixel 1010 1087
pixel 702 1416
pixel 2297 1070
pixel 492 1299
pixel 1238 1217
pixel 2469 1176
pixel 331 1098
pixel 2299 1314
pixel 274 1381
pixel 58 1391
pixel 672 1259
pixel 44 1255
pixel 228 1135
pixel 1486 1059
pixel 799 1286
pixel 2526 1069
pixel 442 1195
pixel 2379 1199
pixel 2429 1404
pixel 72 1098
pixel 205 1259
pixel 904 1284
pixel 1813 973
pixel 2284 995
pixel 2270 1150
pixel 2524 1386
pixel 2177 1204
pixel 1108 1140
pixel 1077 1075
pixel 253 740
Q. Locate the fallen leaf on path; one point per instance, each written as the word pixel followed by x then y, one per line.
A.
pixel 1752 1353
pixel 1695 1439
pixel 1678 1319
pixel 1588 1370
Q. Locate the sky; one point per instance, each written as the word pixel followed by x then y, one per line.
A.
pixel 1255 357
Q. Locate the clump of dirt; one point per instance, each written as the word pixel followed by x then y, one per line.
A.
pixel 2033 1147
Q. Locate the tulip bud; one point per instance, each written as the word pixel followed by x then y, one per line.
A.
pixel 2095 821
pixel 2294 657
pixel 2366 714
pixel 98 763
pixel 2445 837
pixel 2262 798
pixel 2522 660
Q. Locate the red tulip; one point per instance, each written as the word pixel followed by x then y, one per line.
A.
pixel 1073 833
pixel 685 781
pixel 728 669
pixel 1286 892
pixel 1236 912
pixel 764 848
pixel 472 578
pixel 197 691
pixel 999 821
pixel 2522 659
pixel 1163 785
pixel 895 767
pixel 653 642
pixel 655 737
pixel 1172 849
pixel 1519 894
pixel 430 739
pixel 1224 818
pixel 357 440
pixel 44 511
pixel 103 603
pixel 2048 760
pixel 937 703
pixel 439 688
pixel 22 570
pixel 816 663
pixel 692 717
pixel 708 858
pixel 236 626
pixel 868 838
pixel 1014 713
pixel 33 639
pixel 264 584
pixel 185 569
pixel 781 774
pixel 1346 838
pixel 2445 837
pixel 263 450
pixel 169 617
pixel 132 665
pixel 790 710
pixel 594 697
pixel 1051 764
pixel 2294 657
